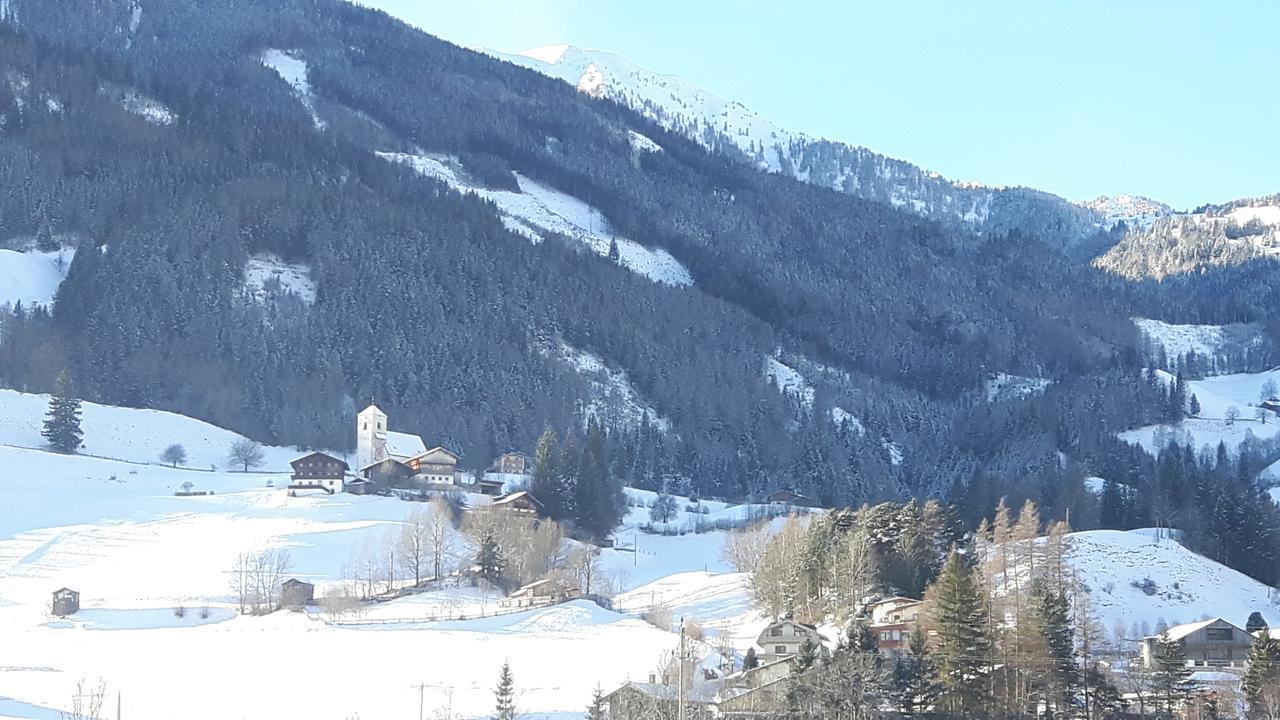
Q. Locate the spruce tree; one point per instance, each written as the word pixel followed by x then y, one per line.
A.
pixel 750 660
pixel 1255 622
pixel 598 500
pixel 1172 677
pixel 963 647
pixel 915 687
pixel 1052 612
pixel 505 694
pixel 1195 406
pixel 489 561
pixel 598 709
pixel 62 422
pixel 1262 677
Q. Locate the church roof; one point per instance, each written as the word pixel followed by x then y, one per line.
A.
pixel 403 445
pixel 374 408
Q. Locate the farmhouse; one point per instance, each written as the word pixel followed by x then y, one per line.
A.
pixel 318 471
pixel 510 463
pixel 296 594
pixel 436 466
pixel 521 502
pixel 543 592
pixel 388 472
pixel 396 459
pixel 1272 403
pixel 785 637
pixel 1208 643
pixel 892 622
pixel 787 498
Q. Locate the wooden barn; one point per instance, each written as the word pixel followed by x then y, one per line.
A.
pixel 296 594
pixel 65 602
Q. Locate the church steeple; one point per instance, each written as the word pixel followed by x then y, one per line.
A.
pixel 371 429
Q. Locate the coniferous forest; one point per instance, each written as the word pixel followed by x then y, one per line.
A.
pixel 429 304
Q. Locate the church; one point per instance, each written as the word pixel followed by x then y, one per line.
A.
pixel 396 458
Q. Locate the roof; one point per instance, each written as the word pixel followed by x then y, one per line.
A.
pixel 902 600
pixel 383 460
pixel 326 456
pixel 60 591
pixel 403 445
pixel 296 581
pixel 436 449
pixel 374 408
pixel 1177 632
pixel 701 695
pixel 515 496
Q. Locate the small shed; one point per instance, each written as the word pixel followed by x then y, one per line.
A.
pixel 1272 403
pixel 65 602
pixel 296 594
pixel 359 486
pixel 787 498
pixel 490 487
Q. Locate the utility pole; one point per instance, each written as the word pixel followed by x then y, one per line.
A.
pixel 117 705
pixel 421 690
pixel 680 675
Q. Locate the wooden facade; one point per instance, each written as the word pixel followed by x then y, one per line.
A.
pixel 296 594
pixel 319 471
pixel 65 602
pixel 437 466
pixel 511 463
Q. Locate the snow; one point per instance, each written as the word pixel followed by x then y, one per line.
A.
pixel 1208 340
pixel 149 109
pixel 641 143
pixel 293 70
pixel 793 384
pixel 720 603
pixel 1133 210
pixel 1216 395
pixel 1003 386
pixel 1095 484
pixel 614 400
pixel 1187 586
pixel 1275 493
pixel 266 276
pixel 538 209
pixel 130 435
pixel 1262 214
pixel 33 277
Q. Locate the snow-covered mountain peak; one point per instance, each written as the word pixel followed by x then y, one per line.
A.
pixel 550 54
pixel 1133 210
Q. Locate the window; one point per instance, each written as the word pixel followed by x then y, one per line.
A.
pixel 775 632
pixel 884 635
pixel 779 649
pixel 1218 634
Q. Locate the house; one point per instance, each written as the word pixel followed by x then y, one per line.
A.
pixel 490 486
pixel 543 592
pixel 374 442
pixel 434 467
pixel 1272 403
pixel 360 486
pixel 296 594
pixel 65 602
pixel 787 498
pixel 387 472
pixel 318 471
pixel 511 463
pixel 892 621
pixel 758 692
pixel 1208 643
pixel 786 637
pixel 520 502
pixel 643 701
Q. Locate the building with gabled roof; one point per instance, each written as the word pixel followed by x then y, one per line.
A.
pixel 318 471
pixel 1208 643
pixel 375 442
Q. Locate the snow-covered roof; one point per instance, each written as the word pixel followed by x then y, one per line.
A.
pixel 1177 632
pixel 403 445
pixel 433 450
pixel 374 408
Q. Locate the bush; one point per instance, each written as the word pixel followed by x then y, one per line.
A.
pixel 179 611
pixel 659 617
pixel 1146 585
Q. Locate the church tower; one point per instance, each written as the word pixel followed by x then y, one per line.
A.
pixel 371 430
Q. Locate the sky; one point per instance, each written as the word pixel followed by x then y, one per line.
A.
pixel 1176 100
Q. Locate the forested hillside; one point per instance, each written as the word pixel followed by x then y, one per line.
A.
pixel 177 144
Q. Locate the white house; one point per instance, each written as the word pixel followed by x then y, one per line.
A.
pixel 375 443
pixel 785 637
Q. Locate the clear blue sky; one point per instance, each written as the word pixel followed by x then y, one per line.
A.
pixel 1177 100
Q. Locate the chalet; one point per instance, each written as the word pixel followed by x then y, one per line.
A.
pixel 892 623
pixel 520 502
pixel 787 498
pixel 434 467
pixel 758 692
pixel 318 471
pixel 296 594
pixel 388 472
pixel 643 701
pixel 543 592
pixel 1272 403
pixel 786 637
pixel 1208 643
pixel 511 463
pixel 374 442
pixel 65 602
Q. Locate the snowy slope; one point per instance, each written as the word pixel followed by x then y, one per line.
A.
pixel 1132 210
pixel 614 402
pixel 1216 395
pixel 1187 586
pixel 1211 341
pixel 266 276
pixel 293 70
pixel 538 209
pixel 681 106
pixel 136 436
pixel 32 277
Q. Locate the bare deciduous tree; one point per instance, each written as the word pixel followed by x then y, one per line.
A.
pixel 245 453
pixel 256 579
pixel 743 548
pixel 87 701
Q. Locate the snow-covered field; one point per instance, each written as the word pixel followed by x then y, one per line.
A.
pixel 1216 395
pixel 293 70
pixel 33 277
pixel 1210 341
pixel 1186 587
pixel 538 209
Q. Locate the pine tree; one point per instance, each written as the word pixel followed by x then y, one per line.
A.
pixel 505 694
pixel 1172 677
pixel 613 249
pixel 1195 406
pixel 597 710
pixel 1255 622
pixel 490 564
pixel 807 657
pixel 914 685
pixel 62 423
pixel 750 660
pixel 1262 677
pixel 598 500
pixel 1052 612
pixel 963 647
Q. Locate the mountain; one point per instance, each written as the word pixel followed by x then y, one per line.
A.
pixel 1229 234
pixel 727 126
